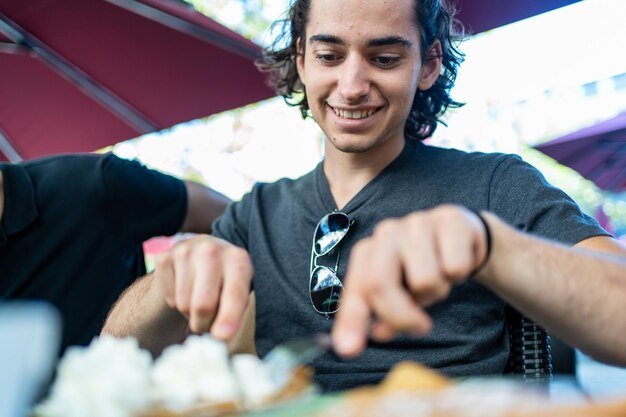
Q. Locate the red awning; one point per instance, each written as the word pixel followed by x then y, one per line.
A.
pixel 78 75
pixel 482 15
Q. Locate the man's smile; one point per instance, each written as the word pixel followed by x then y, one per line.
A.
pixel 358 113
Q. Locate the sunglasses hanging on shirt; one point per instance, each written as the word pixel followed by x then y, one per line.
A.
pixel 325 287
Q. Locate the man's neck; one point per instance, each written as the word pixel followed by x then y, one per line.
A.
pixel 1 195
pixel 347 173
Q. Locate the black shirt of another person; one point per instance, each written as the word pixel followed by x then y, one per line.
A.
pixel 72 232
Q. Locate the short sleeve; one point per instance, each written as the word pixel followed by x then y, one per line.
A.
pixel 233 224
pixel 142 202
pixel 521 195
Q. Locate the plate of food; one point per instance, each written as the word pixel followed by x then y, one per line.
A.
pixel 116 378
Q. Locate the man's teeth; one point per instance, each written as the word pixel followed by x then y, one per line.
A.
pixel 356 114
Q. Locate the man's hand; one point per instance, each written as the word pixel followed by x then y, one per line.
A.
pixel 208 280
pixel 407 264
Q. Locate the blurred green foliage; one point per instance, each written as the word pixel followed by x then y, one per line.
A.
pixel 253 22
pixel 588 196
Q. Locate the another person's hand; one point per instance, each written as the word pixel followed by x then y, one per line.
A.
pixel 406 265
pixel 207 280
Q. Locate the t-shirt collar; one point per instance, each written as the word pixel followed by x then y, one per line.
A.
pixel 20 208
pixel 323 188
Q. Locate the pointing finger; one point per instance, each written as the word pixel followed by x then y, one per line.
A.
pixel 235 293
pixel 350 328
pixel 206 289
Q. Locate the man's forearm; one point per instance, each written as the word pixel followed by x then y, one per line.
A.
pixel 141 312
pixel 576 294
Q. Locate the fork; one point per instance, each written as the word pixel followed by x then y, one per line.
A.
pixel 286 357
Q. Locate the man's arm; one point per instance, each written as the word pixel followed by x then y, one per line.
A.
pixel 203 206
pixel 142 312
pixel 199 285
pixel 576 293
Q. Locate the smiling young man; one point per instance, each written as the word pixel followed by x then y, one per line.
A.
pixel 387 225
pixel 360 83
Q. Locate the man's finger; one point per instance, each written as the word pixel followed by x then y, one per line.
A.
pixel 397 309
pixel 352 320
pixel 419 257
pixel 184 276
pixel 350 328
pixel 206 290
pixel 235 293
pixel 382 332
pixel 457 245
pixel 164 274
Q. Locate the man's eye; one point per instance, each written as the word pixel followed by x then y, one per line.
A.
pixel 326 58
pixel 386 61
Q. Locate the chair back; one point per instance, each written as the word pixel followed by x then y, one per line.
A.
pixel 563 357
pixel 530 354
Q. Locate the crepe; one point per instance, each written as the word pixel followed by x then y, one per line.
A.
pixel 411 390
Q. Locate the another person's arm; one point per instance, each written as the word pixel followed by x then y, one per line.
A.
pixel 143 203
pixel 576 293
pixel 203 206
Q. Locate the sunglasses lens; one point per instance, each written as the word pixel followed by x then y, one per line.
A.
pixel 330 230
pixel 325 290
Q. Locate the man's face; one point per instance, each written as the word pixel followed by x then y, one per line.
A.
pixel 361 69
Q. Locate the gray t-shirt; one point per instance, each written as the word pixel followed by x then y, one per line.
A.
pixel 275 223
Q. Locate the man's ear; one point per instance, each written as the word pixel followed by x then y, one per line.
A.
pixel 300 60
pixel 431 67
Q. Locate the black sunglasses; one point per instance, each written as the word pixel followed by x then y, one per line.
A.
pixel 324 286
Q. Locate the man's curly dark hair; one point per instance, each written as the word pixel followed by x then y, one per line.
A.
pixel 435 20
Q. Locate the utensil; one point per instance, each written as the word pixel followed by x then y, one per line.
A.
pixel 286 357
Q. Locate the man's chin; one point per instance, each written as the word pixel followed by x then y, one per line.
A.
pixel 353 145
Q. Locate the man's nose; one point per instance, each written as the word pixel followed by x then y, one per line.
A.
pixel 354 80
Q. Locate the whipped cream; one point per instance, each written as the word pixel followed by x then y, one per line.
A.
pixel 198 371
pixel 109 378
pixel 255 382
pixel 116 378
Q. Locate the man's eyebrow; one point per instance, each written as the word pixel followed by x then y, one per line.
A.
pixel 335 40
pixel 390 40
pixel 384 41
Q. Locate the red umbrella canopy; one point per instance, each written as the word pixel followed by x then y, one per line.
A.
pixel 78 75
pixel 597 152
pixel 481 15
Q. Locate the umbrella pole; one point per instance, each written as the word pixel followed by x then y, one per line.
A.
pixel 7 148
pixel 151 12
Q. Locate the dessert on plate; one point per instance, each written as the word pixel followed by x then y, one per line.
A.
pixel 116 378
pixel 412 390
